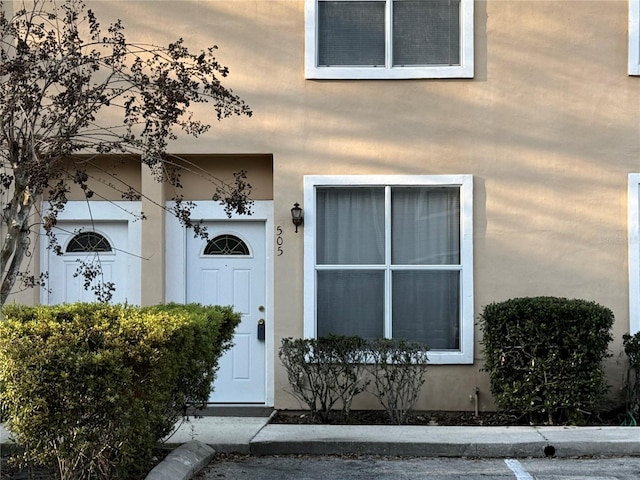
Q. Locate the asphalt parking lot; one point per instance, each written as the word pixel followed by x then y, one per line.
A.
pixel 303 467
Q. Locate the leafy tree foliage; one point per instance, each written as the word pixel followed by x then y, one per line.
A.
pixel 60 72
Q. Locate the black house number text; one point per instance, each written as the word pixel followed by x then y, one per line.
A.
pixel 279 241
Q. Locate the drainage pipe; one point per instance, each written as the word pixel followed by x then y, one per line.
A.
pixel 476 395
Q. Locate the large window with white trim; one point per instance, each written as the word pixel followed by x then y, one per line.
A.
pixel 634 37
pixel 391 257
pixel 389 38
pixel 633 222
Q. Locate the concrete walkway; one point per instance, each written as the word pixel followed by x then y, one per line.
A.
pixel 198 439
pixel 254 435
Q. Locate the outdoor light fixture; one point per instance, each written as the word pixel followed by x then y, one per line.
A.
pixel 296 215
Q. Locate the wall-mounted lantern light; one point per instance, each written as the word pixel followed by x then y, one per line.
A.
pixel 296 215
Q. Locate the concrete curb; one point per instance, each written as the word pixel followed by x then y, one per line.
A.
pixel 183 463
pixel 440 441
pixel 591 441
pixel 397 441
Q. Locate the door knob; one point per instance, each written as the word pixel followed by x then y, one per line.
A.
pixel 261 330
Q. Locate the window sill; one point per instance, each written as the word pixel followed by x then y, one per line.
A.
pixel 398 73
pixel 444 357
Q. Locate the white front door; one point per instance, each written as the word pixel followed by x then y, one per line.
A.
pixel 101 246
pixel 229 269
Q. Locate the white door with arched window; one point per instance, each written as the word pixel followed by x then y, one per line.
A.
pixel 231 267
pixel 228 268
pixel 107 246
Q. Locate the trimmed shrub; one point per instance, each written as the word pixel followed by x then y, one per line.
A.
pixel 90 389
pixel 324 371
pixel 544 357
pixel 631 345
pixel 398 374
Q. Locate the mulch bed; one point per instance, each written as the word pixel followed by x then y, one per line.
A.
pixel 379 417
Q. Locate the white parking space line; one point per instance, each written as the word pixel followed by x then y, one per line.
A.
pixel 517 469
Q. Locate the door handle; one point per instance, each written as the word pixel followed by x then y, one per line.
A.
pixel 261 330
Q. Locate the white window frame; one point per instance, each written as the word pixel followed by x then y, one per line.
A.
pixel 634 37
pixel 633 224
pixel 464 70
pixel 465 183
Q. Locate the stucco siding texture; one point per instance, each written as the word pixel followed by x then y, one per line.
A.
pixel 549 127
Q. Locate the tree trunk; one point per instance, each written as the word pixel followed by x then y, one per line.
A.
pixel 15 246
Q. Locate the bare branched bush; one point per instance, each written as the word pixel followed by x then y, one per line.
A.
pixel 325 372
pixel 398 375
pixel 330 371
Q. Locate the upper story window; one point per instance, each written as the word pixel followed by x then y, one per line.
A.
pixel 634 37
pixel 386 39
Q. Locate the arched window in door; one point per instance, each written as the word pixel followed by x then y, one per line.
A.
pixel 226 245
pixel 88 242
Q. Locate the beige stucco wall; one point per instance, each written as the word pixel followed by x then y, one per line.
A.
pixel 549 128
pixel 202 174
pixel 104 184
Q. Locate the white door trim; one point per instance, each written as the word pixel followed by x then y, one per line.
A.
pixel 633 203
pixel 176 267
pixel 101 211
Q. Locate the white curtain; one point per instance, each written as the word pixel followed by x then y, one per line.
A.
pixel 425 231
pixel 426 307
pixel 425 226
pixel 350 228
pixel 351 302
pixel 350 231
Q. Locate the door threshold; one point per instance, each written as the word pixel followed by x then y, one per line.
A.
pixel 235 410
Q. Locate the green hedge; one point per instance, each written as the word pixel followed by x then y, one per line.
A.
pixel 90 389
pixel 544 357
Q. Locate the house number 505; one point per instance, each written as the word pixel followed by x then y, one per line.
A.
pixel 279 240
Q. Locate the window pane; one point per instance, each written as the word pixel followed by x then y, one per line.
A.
pixel 226 245
pixel 425 226
pixel 351 33
pixel 350 226
pixel 426 32
pixel 88 242
pixel 350 303
pixel 426 308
